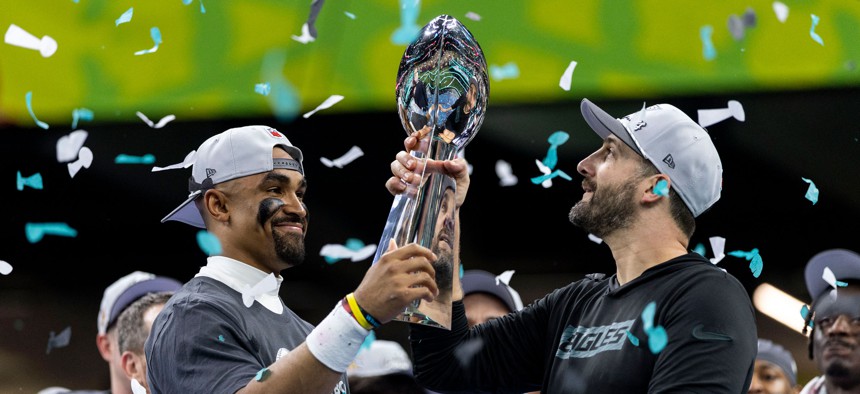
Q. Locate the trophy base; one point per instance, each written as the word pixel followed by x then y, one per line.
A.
pixel 433 314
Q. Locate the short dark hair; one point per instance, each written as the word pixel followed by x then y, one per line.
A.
pixel 680 212
pixel 131 334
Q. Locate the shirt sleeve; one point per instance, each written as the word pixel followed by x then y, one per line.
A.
pixel 502 355
pixel 195 347
pixel 711 334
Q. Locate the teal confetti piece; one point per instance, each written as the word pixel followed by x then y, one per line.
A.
pixel 812 33
pixel 661 188
pixel 367 341
pixel 557 173
pixel 202 9
pixel 29 98
pixel 81 114
pixel 208 243
pixel 632 338
pixel 125 17
pixel 708 50
pixel 648 316
pixel 804 312
pixel 811 192
pixel 349 15
pixel 283 99
pixel 840 283
pixel 461 271
pixel 221 338
pixel 156 38
pixel 756 265
pixel 700 249
pixel 408 30
pixel 36 231
pixel 507 71
pixel 262 374
pixel 263 88
pixel 34 181
pixel 555 140
pixel 129 159
pixel 657 339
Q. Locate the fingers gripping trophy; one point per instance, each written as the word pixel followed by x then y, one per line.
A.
pixel 442 91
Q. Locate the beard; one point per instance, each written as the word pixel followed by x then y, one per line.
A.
pixel 444 267
pixel 609 209
pixel 290 248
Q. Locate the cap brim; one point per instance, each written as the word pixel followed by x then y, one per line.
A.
pixel 844 263
pixel 138 290
pixel 474 281
pixel 604 124
pixel 187 212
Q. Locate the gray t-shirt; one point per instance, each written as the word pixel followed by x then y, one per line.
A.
pixel 206 340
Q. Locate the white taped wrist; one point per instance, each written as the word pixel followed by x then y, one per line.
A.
pixel 337 339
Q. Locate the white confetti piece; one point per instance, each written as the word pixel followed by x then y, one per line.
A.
pixel 160 123
pixel 156 38
pixel 781 11
pixel 189 160
pixel 332 100
pixel 85 158
pixel 505 173
pixel 69 145
pixel 564 83
pixel 595 239
pixel 708 117
pixel 268 284
pixel 125 17
pixel 306 36
pixel 5 268
pixel 336 251
pixel 473 16
pixel 19 37
pixel 59 340
pixel 348 157
pixel 718 245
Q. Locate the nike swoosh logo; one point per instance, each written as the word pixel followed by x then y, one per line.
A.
pixel 698 333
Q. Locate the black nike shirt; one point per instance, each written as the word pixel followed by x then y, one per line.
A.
pixel 590 337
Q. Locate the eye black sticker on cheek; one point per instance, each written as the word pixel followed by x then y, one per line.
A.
pixel 267 209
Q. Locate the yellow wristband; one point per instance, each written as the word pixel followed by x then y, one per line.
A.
pixel 356 312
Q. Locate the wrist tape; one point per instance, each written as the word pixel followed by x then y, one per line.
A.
pixel 337 339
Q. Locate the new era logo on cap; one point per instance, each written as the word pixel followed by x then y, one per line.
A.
pixel 673 142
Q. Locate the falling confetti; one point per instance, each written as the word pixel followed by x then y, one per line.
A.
pixel 354 249
pixel 718 245
pixel 85 159
pixel 125 17
pixel 739 25
pixel 708 50
pixel 804 313
pixel 283 99
pixel 565 80
pixel 250 293
pixel 160 123
pixel 781 11
pixel 28 97
pixel 555 140
pixel 505 173
pixel 507 71
pixel 5 268
pixel 156 38
pixel 632 338
pixel 408 29
pixel 81 114
pixel 33 181
pixel 123 158
pixel 187 162
pixel 306 36
pixel 208 243
pixel 202 9
pixel 505 277
pixel 812 33
pixel 657 339
pixel 700 249
pixel 69 145
pixel 349 15
pixel 811 191
pixel 332 100
pixel 830 278
pixel 36 231
pixel 595 239
pixel 546 179
pixel 756 263
pixel 734 109
pixel 473 16
pixel 56 341
pixel 262 374
pixel 263 88
pixel 220 338
pixel 348 157
pixel 19 37
pixel 661 188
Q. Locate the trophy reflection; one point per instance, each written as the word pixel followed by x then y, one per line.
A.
pixel 441 92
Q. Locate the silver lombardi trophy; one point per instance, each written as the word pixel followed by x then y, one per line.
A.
pixel 442 91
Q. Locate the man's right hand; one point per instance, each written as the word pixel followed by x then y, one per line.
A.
pixel 401 276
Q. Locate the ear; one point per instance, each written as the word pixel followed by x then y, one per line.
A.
pixel 658 187
pixel 104 346
pixel 215 202
pixel 130 365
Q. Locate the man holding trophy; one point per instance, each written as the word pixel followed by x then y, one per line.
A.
pixel 667 321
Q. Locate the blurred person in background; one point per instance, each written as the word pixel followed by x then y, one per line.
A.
pixel 383 367
pixel 133 328
pixel 775 371
pixel 486 297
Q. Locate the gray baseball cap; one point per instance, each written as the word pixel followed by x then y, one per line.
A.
pixel 844 263
pixel 232 154
pixel 673 142
pixel 777 355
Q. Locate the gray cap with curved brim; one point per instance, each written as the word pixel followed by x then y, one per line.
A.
pixel 673 142
pixel 844 264
pixel 232 154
